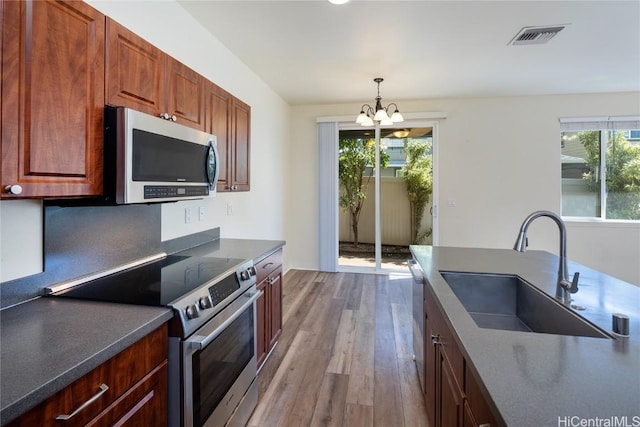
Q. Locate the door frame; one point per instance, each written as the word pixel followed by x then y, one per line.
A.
pixel 415 122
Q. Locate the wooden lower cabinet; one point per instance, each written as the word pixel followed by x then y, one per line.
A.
pixel 452 395
pixel 477 412
pixel 450 401
pixel 130 389
pixel 261 322
pixel 269 305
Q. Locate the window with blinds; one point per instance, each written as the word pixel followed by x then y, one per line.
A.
pixel 600 161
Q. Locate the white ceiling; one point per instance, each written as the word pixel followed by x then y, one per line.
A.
pixel 314 52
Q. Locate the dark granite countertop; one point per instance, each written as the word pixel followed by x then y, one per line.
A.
pixel 48 343
pixel 536 379
pixel 236 248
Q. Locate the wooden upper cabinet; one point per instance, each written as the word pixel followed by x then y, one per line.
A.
pixel 185 94
pixel 229 119
pixel 52 108
pixel 142 77
pixel 134 71
pixel 241 131
pixel 218 123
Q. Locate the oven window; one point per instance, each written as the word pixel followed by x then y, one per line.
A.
pixel 216 367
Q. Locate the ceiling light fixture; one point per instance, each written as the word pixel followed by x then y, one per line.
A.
pixel 338 1
pixel 380 114
pixel 402 133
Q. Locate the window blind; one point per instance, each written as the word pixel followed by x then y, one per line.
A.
pixel 599 123
pixel 328 196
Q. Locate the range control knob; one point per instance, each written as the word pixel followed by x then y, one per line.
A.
pixel 244 275
pixel 192 311
pixel 205 302
pixel 252 271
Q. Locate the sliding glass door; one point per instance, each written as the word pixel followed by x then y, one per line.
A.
pixel 385 197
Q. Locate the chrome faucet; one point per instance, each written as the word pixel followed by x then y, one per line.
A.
pixel 564 287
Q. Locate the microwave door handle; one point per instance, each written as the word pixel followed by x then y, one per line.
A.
pixel 212 152
pixel 199 342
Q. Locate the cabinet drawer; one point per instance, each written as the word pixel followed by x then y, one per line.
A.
pixel 118 374
pixel 144 404
pixel 268 264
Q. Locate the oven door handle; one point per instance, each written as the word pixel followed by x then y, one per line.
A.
pixel 198 342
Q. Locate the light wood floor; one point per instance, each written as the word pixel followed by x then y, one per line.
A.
pixel 345 354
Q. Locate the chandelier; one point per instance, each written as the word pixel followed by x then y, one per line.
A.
pixel 380 114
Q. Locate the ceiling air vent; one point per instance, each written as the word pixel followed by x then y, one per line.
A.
pixel 536 35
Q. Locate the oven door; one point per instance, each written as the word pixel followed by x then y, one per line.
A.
pixel 220 366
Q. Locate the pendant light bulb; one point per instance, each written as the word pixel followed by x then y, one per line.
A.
pixel 396 117
pixel 386 122
pixel 362 118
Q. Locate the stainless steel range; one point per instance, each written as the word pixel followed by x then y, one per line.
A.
pixel 212 336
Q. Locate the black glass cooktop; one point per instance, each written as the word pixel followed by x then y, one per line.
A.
pixel 157 284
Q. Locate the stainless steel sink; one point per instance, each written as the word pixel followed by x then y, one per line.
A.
pixel 507 302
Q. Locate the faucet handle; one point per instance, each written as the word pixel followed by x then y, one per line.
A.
pixel 574 282
pixel 570 286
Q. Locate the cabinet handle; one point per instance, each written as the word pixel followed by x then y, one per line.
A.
pixel 13 189
pixel 485 425
pixel 166 116
pixel 273 280
pixel 435 339
pixel 267 264
pixel 103 389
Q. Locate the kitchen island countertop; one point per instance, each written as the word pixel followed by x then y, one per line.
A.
pixel 536 379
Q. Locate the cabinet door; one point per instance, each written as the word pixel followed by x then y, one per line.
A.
pixel 185 94
pixel 275 324
pixel 218 123
pixel 450 404
pixel 261 323
pixel 52 98
pixel 477 410
pixel 135 71
pixel 241 131
pixel 431 353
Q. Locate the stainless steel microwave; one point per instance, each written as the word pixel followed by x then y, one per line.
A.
pixel 149 159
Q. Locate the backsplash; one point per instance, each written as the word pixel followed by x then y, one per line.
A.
pixel 83 240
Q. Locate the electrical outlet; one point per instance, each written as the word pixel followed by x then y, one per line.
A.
pixel 187 215
pixel 201 213
pixel 229 209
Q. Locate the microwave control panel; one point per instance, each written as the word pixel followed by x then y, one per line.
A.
pixel 165 191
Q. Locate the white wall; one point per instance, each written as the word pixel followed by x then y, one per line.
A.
pixel 499 160
pixel 21 243
pixel 261 213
